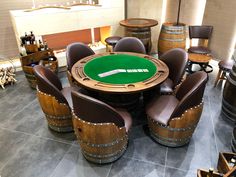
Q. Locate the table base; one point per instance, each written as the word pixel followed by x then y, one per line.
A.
pixel 203 66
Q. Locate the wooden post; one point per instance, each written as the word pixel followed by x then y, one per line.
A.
pixel 178 13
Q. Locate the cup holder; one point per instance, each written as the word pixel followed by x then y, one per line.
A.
pixel 86 79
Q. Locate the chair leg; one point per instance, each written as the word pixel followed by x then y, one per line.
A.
pixel 219 75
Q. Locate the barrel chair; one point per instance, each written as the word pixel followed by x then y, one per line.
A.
pixel 100 129
pixel 173 119
pixel 130 44
pixel 176 60
pixel 75 52
pixel 55 101
pixel 203 33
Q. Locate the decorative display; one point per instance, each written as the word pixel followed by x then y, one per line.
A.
pixel 7 76
pixel 66 7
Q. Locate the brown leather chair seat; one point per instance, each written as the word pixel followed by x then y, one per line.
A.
pixel 130 44
pixel 112 40
pixel 101 129
pixel 172 119
pixel 161 108
pixel 199 50
pixel 224 67
pixel 167 87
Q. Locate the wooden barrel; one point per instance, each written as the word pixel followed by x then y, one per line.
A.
pixel 144 34
pixel 100 142
pixel 229 95
pixel 233 142
pixel 45 58
pixel 179 130
pixel 171 37
pixel 57 114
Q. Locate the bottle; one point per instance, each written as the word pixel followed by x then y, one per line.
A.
pixel 210 172
pixel 32 37
pixel 45 45
pixel 41 46
pixel 22 50
pixel 232 162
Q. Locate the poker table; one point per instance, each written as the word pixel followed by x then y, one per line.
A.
pixel 119 72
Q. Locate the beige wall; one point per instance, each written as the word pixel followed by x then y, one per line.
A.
pixel 8 45
pixel 222 15
pixel 191 11
pixel 147 9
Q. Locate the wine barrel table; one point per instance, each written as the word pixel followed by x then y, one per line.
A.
pixel 229 95
pixel 201 60
pixel 140 28
pixel 119 77
pixel 171 36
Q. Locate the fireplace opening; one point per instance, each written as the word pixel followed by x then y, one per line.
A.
pixel 93 37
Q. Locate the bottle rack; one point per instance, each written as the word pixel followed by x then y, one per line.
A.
pixel 204 173
pixel 223 167
pixel 224 158
pixel 42 58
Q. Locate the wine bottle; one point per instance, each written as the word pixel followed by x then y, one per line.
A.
pixel 32 37
pixel 41 46
pixel 210 172
pixel 22 50
pixel 232 162
pixel 45 45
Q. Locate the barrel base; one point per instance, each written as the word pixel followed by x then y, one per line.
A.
pixel 170 142
pixel 105 159
pixel 61 129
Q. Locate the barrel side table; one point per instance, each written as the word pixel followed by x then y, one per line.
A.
pixel 229 96
pixel 140 28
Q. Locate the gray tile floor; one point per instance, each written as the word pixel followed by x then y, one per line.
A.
pixel 30 149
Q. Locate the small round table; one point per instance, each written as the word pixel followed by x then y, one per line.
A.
pixel 140 28
pixel 119 77
pixel 201 60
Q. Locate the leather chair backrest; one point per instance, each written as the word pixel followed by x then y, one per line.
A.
pixel 190 92
pixel 48 82
pixel 130 44
pixel 201 32
pixel 95 111
pixel 75 52
pixel 176 60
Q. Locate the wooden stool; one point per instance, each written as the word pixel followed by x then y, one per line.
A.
pixel 111 41
pixel 200 59
pixel 224 67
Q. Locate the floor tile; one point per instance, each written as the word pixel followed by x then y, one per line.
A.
pixel 38 158
pixel 170 172
pixel 10 143
pixel 126 167
pixel 144 148
pixel 75 165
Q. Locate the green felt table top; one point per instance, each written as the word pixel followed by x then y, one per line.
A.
pixel 126 69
